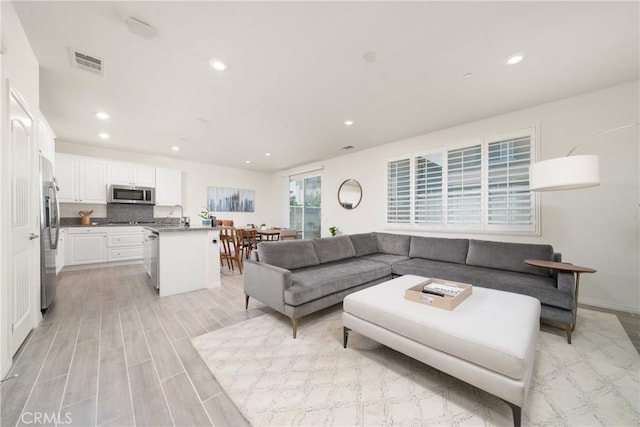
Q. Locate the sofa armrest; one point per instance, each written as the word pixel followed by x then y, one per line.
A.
pixel 566 283
pixel 266 283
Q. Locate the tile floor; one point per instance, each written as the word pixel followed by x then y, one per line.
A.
pixel 111 352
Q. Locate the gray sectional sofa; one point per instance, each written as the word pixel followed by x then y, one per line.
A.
pixel 300 277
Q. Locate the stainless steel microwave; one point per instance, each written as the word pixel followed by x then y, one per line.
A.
pixel 125 194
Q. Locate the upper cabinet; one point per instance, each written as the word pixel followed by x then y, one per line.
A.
pixel 66 174
pixel 86 179
pixel 132 174
pixel 168 187
pixel 46 140
pixel 81 179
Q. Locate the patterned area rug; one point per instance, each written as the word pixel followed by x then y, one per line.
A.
pixel 275 380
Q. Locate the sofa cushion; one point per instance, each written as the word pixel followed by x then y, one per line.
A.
pixel 333 248
pixel 311 283
pixel 509 256
pixel 393 244
pixel 364 243
pixel 543 288
pixel 288 254
pixel 449 250
pixel 385 258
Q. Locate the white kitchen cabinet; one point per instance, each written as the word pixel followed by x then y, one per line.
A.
pixel 66 174
pixel 81 179
pixel 60 251
pixel 132 174
pixel 124 243
pixel 46 139
pixel 86 245
pixel 93 182
pixel 168 187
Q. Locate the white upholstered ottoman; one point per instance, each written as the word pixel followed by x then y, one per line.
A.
pixel 488 341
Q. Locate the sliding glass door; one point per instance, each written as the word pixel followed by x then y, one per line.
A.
pixel 304 205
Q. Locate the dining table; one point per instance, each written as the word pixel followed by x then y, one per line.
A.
pixel 269 234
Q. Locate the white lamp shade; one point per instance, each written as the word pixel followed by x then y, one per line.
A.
pixel 565 173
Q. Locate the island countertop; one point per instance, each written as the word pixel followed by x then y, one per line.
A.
pixel 162 228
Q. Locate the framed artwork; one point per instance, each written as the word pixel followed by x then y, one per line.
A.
pixel 223 199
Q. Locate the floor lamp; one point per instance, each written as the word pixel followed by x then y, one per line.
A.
pixel 569 172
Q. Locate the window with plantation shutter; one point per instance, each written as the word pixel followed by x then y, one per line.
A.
pixel 428 189
pixel 464 185
pixel 399 191
pixel 509 198
pixel 482 187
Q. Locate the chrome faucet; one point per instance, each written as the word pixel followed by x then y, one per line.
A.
pixel 181 213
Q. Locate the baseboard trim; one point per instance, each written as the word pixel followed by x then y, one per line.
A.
pixel 610 306
pixel 99 265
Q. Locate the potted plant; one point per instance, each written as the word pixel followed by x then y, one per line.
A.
pixel 333 230
pixel 208 218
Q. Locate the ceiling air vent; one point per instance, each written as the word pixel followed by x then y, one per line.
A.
pixel 348 147
pixel 86 62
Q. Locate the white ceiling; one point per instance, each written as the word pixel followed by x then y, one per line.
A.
pixel 297 72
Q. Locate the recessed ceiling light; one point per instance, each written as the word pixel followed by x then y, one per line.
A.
pixel 175 148
pixel 102 115
pixel 467 76
pixel 104 135
pixel 247 161
pixel 267 154
pixel 514 59
pixel 217 64
pixel 348 123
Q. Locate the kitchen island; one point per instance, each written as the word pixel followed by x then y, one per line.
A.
pixel 181 259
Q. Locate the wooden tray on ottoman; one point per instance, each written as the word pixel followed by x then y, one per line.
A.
pixel 449 301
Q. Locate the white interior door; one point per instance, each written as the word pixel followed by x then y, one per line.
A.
pixel 23 249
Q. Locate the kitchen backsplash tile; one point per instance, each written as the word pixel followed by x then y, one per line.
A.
pixel 122 212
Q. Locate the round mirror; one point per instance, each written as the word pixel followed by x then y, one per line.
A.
pixel 349 194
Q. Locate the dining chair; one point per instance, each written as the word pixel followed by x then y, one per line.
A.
pixel 232 248
pixel 249 241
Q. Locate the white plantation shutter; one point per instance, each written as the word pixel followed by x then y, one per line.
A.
pixel 464 185
pixel 428 189
pixel 509 198
pixel 482 187
pixel 399 191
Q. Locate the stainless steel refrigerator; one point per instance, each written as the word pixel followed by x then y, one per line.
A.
pixel 49 232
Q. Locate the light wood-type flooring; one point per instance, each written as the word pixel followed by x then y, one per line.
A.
pixel 111 352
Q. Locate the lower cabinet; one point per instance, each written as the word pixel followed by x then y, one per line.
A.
pixel 95 245
pixel 85 245
pixel 124 243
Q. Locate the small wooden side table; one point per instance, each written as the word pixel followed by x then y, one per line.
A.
pixel 569 268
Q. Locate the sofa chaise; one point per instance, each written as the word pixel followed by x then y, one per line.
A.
pixel 300 277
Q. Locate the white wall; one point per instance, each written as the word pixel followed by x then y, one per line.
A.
pixel 20 67
pixel 596 227
pixel 196 177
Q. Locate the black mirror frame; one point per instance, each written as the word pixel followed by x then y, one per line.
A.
pixel 345 205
